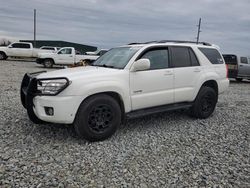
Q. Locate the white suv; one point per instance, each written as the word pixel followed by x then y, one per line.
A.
pixel 126 82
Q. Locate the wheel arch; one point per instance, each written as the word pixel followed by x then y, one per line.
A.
pixel 213 84
pixel 116 96
pixel 49 58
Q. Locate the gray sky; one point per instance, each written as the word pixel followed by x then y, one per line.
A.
pixel 110 23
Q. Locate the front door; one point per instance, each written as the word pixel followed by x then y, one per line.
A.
pixel 244 67
pixel 153 87
pixel 65 56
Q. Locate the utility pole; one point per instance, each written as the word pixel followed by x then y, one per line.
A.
pixel 199 30
pixel 34 27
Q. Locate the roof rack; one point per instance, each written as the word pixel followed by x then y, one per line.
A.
pixel 174 41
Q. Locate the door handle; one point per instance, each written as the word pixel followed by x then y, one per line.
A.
pixel 197 70
pixel 241 65
pixel 168 73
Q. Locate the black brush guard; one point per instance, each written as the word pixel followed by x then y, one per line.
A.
pixel 28 91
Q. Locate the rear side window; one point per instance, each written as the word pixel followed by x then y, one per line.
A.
pixel 230 59
pixel 243 60
pixel 212 55
pixel 183 57
pixel 158 58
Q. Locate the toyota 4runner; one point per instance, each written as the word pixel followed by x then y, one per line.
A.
pixel 127 82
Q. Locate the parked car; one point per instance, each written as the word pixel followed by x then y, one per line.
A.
pixel 51 48
pixel 128 82
pixel 20 49
pixel 65 56
pixel 238 67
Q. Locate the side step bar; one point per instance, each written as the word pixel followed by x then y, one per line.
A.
pixel 158 109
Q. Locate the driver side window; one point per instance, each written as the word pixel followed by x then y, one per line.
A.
pixel 159 58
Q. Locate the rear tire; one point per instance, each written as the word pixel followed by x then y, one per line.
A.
pixel 3 56
pixel 205 103
pixel 48 63
pixel 97 118
pixel 239 79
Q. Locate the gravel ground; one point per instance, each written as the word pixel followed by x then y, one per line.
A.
pixel 163 150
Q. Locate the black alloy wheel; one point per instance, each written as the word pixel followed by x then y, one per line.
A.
pixel 97 118
pixel 100 118
pixel 204 103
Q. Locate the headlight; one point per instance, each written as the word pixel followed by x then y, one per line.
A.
pixel 51 86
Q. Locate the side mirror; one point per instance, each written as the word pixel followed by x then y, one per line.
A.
pixel 140 65
pixel 10 47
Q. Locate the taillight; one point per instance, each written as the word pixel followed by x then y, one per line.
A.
pixel 227 69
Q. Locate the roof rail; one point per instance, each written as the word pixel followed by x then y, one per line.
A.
pixel 133 43
pixel 174 41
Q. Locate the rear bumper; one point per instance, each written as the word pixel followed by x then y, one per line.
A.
pixel 223 85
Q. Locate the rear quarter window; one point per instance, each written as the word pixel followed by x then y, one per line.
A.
pixel 243 60
pixel 230 59
pixel 212 55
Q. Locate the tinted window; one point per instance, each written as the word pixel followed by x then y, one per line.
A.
pixel 16 45
pixel 20 45
pixel 25 45
pixel 212 55
pixel 230 59
pixel 158 58
pixel 193 57
pixel 180 57
pixel 243 60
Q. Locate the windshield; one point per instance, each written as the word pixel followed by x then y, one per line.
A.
pixel 116 57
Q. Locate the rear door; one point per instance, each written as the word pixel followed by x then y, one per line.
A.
pixel 244 67
pixel 187 73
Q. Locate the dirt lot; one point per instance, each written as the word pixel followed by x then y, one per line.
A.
pixel 163 150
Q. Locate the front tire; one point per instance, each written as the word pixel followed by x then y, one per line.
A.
pixel 98 118
pixel 48 63
pixel 205 103
pixel 3 56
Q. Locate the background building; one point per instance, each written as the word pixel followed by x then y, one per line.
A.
pixel 80 47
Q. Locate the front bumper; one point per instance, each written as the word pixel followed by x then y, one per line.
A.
pixel 65 107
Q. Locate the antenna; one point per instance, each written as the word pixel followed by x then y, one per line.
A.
pixel 34 27
pixel 199 30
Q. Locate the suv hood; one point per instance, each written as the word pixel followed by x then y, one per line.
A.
pixel 81 73
pixel 3 47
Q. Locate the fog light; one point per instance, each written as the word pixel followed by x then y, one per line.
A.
pixel 49 111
